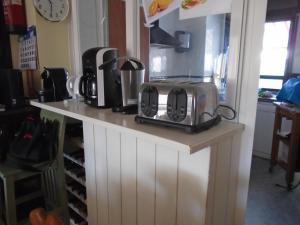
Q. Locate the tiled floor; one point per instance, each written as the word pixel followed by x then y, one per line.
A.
pixel 268 204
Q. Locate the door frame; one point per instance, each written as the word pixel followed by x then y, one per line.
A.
pixel 252 41
pixel 74 30
pixel 246 35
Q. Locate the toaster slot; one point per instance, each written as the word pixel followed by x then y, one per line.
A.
pixel 149 101
pixel 177 104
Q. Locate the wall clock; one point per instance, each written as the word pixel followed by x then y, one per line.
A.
pixel 52 10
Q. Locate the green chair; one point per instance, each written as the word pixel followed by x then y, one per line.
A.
pixel 53 181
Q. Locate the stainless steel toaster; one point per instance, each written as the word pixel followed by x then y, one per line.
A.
pixel 183 104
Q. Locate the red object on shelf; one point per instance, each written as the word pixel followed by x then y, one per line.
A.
pixel 14 16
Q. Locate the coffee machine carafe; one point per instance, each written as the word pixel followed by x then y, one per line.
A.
pixel 98 84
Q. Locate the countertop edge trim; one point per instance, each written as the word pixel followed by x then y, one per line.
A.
pixel 190 149
pixel 163 141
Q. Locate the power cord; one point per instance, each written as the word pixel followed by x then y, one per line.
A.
pixel 230 108
pixel 222 115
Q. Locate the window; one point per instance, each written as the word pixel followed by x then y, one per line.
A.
pixel 274 54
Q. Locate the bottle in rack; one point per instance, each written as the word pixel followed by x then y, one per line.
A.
pixel 75 174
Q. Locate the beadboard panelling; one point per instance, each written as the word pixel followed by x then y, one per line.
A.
pixel 192 187
pixel 222 173
pixel 233 180
pixel 128 177
pixel 146 155
pixel 101 171
pixel 91 190
pixel 211 184
pixel 113 140
pixel 144 183
pixel 166 186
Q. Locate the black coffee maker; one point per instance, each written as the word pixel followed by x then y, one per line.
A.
pixel 98 85
pixel 11 88
pixel 54 85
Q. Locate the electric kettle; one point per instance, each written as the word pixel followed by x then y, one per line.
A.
pixel 132 76
pixel 73 86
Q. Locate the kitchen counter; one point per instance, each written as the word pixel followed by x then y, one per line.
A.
pixel 167 136
pixel 147 174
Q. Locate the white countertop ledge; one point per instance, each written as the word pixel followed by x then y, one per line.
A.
pixel 171 137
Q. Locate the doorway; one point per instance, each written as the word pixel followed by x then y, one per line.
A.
pixel 268 201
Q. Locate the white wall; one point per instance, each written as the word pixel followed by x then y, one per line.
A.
pixel 53 43
pixel 183 63
pixel 88 24
pixel 215 29
pixel 174 63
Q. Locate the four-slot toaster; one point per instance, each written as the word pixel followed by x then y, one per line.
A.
pixel 189 105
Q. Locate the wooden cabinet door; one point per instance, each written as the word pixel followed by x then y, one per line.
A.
pixel 117 32
pixel 117 25
pixel 145 43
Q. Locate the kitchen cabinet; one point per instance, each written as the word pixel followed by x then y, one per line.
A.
pixel 144 174
pixel 263 134
pixel 264 125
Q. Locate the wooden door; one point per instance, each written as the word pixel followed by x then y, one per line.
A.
pixel 144 43
pixel 117 31
pixel 117 25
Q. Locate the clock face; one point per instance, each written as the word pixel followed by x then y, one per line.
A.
pixel 52 10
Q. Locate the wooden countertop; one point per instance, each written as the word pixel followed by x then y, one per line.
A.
pixel 166 136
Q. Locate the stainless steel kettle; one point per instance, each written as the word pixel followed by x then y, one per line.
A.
pixel 132 76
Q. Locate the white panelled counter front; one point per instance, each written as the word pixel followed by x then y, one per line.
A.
pixel 138 174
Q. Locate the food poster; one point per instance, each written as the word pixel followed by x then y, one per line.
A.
pixel 197 8
pixel 155 9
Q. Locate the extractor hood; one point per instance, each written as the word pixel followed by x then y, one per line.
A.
pixel 160 38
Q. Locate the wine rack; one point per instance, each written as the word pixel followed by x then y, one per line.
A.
pixel 74 163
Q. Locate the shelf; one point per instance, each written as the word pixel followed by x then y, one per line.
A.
pixel 74 160
pixel 286 135
pixel 69 189
pixel 173 138
pixel 81 214
pixel 74 177
pixel 81 223
pixel 76 219
pixel 282 164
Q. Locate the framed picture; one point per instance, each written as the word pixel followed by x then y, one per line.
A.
pixel 155 9
pixel 197 8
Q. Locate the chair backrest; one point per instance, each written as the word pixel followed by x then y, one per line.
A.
pixel 54 178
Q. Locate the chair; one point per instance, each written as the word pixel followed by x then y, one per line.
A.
pixel 52 181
